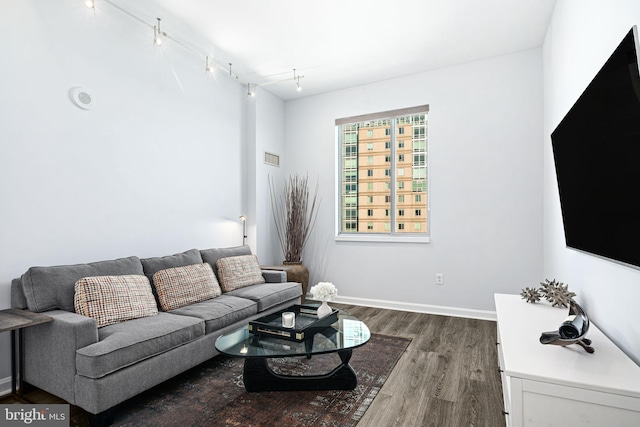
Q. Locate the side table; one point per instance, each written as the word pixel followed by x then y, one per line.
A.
pixel 15 320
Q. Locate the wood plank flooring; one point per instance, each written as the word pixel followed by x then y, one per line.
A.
pixel 448 376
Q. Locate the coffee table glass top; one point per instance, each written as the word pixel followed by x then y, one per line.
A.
pixel 347 333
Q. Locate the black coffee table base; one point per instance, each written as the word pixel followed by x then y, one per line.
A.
pixel 258 376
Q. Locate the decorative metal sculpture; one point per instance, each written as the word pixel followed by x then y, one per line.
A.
pixel 557 293
pixel 531 295
pixel 572 330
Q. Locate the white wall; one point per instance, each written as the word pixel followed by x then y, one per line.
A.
pixel 581 37
pixel 270 137
pixel 156 168
pixel 486 184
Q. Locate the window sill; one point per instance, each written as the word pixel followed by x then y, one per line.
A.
pixel 381 238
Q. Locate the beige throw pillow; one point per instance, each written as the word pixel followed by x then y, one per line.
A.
pixel 239 271
pixel 181 286
pixel 114 299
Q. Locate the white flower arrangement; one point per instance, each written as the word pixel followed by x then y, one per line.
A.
pixel 323 291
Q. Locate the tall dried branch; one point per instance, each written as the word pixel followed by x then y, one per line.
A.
pixel 293 216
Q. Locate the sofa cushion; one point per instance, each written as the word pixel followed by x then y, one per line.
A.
pixel 153 265
pixel 239 271
pixel 213 255
pixel 219 312
pixel 48 288
pixel 114 299
pixel 269 295
pixel 127 343
pixel 180 286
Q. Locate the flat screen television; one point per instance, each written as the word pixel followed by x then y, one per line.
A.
pixel 596 148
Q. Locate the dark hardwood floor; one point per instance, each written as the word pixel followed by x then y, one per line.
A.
pixel 448 376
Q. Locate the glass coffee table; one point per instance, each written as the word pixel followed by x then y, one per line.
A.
pixel 341 337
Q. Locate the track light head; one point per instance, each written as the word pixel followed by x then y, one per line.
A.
pixel 157 40
pixel 208 66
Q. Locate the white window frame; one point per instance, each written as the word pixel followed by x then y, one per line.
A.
pixel 391 236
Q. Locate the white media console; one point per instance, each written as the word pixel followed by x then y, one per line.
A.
pixel 549 385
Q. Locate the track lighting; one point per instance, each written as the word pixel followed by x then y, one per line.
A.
pixel 210 62
pixel 296 79
pixel 157 40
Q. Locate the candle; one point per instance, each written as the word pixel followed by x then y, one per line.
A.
pixel 288 319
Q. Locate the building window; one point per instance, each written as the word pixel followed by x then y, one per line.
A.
pixel 405 172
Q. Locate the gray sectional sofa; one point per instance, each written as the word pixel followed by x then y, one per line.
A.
pixel 98 368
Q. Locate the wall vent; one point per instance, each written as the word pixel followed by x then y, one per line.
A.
pixel 271 159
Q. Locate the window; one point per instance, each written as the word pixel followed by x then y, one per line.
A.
pixel 403 133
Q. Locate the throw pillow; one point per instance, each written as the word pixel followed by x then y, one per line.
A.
pixel 114 299
pixel 180 286
pixel 239 271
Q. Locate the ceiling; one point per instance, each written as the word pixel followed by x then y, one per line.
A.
pixel 337 44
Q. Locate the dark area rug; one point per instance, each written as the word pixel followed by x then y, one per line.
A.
pixel 213 394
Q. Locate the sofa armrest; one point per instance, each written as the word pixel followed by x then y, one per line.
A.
pixel 274 276
pixel 50 351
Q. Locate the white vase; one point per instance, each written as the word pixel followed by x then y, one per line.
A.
pixel 324 309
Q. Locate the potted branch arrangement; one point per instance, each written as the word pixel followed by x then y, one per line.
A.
pixel 295 216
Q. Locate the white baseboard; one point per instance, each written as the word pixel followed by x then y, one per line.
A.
pixel 419 308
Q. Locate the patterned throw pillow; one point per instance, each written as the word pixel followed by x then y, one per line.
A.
pixel 239 271
pixel 114 299
pixel 180 286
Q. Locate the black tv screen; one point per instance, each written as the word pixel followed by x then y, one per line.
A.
pixel 596 149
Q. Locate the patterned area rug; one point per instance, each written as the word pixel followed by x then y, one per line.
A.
pixel 212 394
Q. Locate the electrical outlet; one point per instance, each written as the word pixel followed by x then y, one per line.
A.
pixel 439 279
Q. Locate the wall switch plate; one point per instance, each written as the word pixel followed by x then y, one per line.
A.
pixel 439 279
